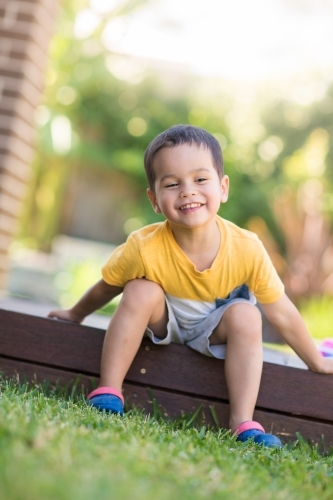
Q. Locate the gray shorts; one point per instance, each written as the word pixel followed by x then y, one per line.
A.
pixel 198 337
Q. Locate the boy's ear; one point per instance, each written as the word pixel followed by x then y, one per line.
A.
pixel 224 188
pixel 153 201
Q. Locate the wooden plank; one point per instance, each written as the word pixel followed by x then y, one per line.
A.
pixel 172 404
pixel 174 367
pixel 24 68
pixel 282 425
pixel 51 342
pixel 24 371
pixel 26 31
pixel 16 88
pixel 15 126
pixel 14 167
pixel 285 389
pixel 31 24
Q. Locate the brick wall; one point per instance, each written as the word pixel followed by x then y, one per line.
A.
pixel 25 30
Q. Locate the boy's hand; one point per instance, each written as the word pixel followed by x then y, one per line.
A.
pixel 65 315
pixel 327 366
pixel 96 297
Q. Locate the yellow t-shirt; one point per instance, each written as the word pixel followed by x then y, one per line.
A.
pixel 152 253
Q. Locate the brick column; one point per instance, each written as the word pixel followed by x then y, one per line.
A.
pixel 25 30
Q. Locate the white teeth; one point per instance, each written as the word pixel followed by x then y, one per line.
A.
pixel 190 205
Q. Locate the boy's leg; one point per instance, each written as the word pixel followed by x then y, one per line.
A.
pixel 241 329
pixel 142 305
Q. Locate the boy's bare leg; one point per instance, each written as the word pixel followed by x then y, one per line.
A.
pixel 241 329
pixel 142 304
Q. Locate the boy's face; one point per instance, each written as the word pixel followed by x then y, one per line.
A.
pixel 188 190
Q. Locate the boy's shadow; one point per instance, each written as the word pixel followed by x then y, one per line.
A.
pixel 269 333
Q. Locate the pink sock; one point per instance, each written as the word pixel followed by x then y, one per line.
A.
pixel 106 390
pixel 249 425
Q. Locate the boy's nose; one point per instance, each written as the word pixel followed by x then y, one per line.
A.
pixel 187 191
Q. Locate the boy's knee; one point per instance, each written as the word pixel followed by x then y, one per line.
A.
pixel 243 317
pixel 142 290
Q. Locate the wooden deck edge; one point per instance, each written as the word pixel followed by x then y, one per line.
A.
pixel 171 404
pixel 285 426
pixel 77 348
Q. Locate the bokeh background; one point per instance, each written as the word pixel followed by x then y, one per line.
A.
pixel 258 75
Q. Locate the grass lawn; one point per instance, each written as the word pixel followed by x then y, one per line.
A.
pixel 53 446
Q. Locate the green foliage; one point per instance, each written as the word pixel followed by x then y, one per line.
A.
pixel 75 277
pixel 115 106
pixel 317 313
pixel 53 446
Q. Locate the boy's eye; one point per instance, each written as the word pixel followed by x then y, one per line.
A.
pixel 201 179
pixel 172 184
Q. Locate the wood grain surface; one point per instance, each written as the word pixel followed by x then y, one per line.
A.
pixel 181 379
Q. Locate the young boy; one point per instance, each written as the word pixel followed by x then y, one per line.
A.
pixel 193 279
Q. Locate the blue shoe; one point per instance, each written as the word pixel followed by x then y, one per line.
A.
pixel 253 430
pixel 107 399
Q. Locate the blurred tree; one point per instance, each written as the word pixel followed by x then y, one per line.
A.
pixel 101 109
pixel 298 148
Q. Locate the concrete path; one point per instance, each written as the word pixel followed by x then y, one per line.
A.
pixel 42 309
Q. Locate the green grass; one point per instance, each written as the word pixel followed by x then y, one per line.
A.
pixel 53 446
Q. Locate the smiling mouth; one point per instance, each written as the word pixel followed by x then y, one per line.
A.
pixel 190 205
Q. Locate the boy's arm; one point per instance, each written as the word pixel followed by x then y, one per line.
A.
pixel 289 323
pixel 97 296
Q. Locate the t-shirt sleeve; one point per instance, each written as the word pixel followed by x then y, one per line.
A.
pixel 125 264
pixel 268 286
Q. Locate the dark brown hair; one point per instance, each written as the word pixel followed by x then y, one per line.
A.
pixel 182 134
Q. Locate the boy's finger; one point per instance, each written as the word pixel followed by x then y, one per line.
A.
pixel 52 314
